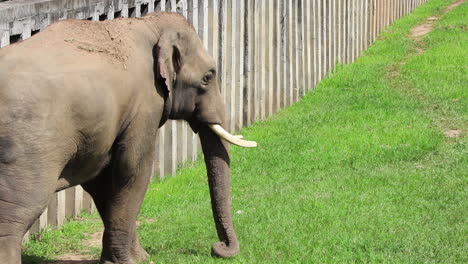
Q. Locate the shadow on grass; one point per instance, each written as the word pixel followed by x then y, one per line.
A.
pixel 30 259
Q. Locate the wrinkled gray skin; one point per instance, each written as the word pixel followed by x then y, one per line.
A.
pixel 75 113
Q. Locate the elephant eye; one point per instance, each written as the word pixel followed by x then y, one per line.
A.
pixel 207 78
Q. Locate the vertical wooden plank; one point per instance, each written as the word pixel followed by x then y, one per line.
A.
pixel 43 219
pixel 228 60
pixel 371 23
pixel 333 31
pixel 390 11
pixel 174 146
pixel 137 9
pixel 222 63
pixel 61 203
pixel 300 70
pixel 355 30
pixel 150 6
pixel 308 37
pixel 380 16
pixel 326 38
pixel 4 36
pixel 306 45
pixel 124 11
pixel 330 43
pixel 243 63
pixel 400 8
pixel 408 7
pixel 285 52
pixel 204 14
pixel 262 62
pixel 386 8
pixel 277 76
pixel 271 49
pixel 339 30
pixel 79 193
pixel 344 43
pixel 161 151
pixel 26 31
pixel 355 23
pixel 363 14
pixel 315 42
pixel 249 98
pixel 292 55
pixel 258 54
pixel 69 202
pixel 319 39
pixel 52 211
pixel 240 66
pixel 282 51
pixel 376 19
pixel 350 30
pixel 234 62
pixel 111 11
pixel 247 63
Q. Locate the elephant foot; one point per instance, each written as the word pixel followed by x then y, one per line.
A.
pixel 138 254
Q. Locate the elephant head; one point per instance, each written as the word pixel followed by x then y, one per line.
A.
pixel 188 73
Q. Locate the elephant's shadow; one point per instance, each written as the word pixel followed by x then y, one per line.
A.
pixel 31 259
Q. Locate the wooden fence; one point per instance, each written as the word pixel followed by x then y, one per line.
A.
pixel 269 54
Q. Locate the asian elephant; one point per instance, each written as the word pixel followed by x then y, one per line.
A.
pixel 81 103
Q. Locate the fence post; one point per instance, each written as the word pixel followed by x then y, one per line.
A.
pixel 240 67
pixel 232 57
pixel 277 73
pixel 262 48
pixel 299 52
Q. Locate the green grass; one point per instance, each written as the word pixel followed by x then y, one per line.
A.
pixel 358 171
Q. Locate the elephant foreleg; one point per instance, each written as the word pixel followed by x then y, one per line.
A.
pixel 99 188
pixel 119 192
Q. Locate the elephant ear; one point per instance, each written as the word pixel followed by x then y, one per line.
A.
pixel 166 66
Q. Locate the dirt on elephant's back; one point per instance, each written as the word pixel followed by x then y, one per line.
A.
pixel 106 38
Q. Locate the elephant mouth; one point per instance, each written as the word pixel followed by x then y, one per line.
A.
pixel 236 140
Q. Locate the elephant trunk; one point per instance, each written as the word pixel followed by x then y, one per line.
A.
pixel 217 165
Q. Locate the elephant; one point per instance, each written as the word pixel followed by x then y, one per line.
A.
pixel 81 103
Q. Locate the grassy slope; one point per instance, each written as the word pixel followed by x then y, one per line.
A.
pixel 358 171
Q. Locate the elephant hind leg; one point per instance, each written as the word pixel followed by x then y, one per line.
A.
pixel 21 203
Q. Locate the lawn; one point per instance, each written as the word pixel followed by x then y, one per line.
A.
pixel 369 167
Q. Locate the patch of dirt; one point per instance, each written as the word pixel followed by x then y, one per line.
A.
pixel 427 27
pixel 422 30
pixel 452 133
pixel 453 6
pixel 94 240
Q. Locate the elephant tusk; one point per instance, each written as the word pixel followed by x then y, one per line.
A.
pixel 236 140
